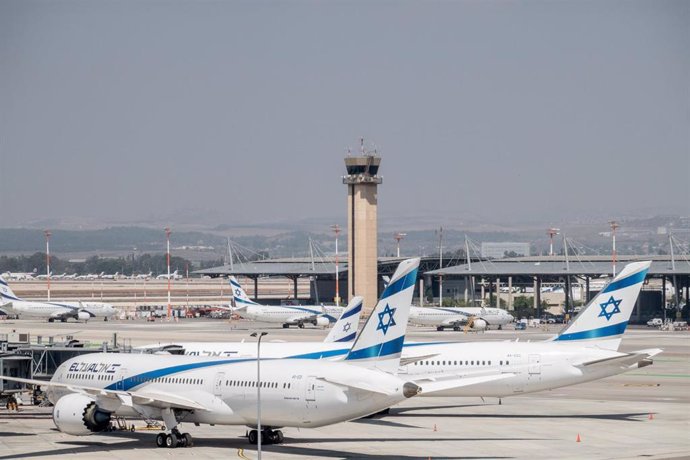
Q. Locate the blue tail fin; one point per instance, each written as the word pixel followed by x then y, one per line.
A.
pixel 380 342
pixel 604 319
pixel 345 329
pixel 6 294
pixel 241 298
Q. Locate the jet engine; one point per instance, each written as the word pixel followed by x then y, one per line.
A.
pixel 84 316
pixel 321 321
pixel 478 324
pixel 79 415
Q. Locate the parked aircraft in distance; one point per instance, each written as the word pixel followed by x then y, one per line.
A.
pixel 476 318
pixel 143 276
pixel 344 331
pixel 173 276
pixel 89 390
pixel 287 315
pixel 16 276
pixel 52 311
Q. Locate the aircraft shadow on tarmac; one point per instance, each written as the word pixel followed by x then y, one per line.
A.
pixel 130 441
pixel 414 412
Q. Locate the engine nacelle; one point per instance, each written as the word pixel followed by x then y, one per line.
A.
pixel 479 325
pixel 84 316
pixel 79 415
pixel 322 321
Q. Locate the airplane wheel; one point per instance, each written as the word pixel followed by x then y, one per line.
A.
pixel 286 326
pixel 161 439
pixel 63 320
pixel 456 328
pixel 439 328
pixel 279 437
pixel 172 440
pixel 51 320
pixel 301 326
pixel 188 440
pixel 253 437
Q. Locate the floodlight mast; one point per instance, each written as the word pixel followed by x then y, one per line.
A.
pixel 552 232
pixel 399 237
pixel 614 226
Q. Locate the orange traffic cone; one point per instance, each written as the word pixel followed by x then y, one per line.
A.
pixel 651 416
pixel 578 438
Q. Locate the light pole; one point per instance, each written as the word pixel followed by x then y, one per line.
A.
pixel 167 237
pixel 614 227
pixel 47 234
pixel 398 237
pixel 336 230
pixel 258 390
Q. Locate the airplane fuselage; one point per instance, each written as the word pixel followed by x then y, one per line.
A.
pixel 536 366
pixel 295 393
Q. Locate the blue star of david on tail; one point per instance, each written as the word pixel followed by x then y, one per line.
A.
pixel 604 306
pixel 346 327
pixel 391 322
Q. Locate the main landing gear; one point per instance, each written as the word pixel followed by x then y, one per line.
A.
pixel 174 439
pixel 268 436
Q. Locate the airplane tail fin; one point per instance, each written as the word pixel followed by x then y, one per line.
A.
pixel 379 344
pixel 603 321
pixel 6 294
pixel 345 329
pixel 241 297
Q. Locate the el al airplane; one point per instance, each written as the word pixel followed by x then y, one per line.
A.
pixel 287 315
pixel 344 331
pixel 477 318
pixel 585 350
pixel 62 311
pixel 89 390
pixel 173 276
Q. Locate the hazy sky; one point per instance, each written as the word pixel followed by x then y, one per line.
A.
pixel 124 110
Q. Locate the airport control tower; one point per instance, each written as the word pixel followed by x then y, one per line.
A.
pixel 362 259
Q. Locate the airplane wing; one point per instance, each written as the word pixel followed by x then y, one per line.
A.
pixel 406 361
pixel 358 384
pixel 431 385
pixel 459 320
pixel 128 398
pixel 301 317
pixel 639 358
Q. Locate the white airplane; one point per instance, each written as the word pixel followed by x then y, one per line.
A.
pixel 344 331
pixel 287 315
pixel 17 276
pixel 173 276
pixel 89 390
pixel 62 311
pixel 143 276
pixel 585 350
pixel 477 318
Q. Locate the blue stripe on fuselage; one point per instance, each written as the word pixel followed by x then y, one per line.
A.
pixel 380 349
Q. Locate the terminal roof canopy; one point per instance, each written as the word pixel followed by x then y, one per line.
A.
pixel 556 265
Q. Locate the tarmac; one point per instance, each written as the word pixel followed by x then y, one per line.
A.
pixel 641 414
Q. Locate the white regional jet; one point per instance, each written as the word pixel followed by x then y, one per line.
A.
pixel 173 276
pixel 89 390
pixel 585 350
pixel 287 315
pixel 62 311
pixel 477 318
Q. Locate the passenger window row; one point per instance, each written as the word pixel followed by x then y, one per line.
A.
pixel 458 363
pixel 252 383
